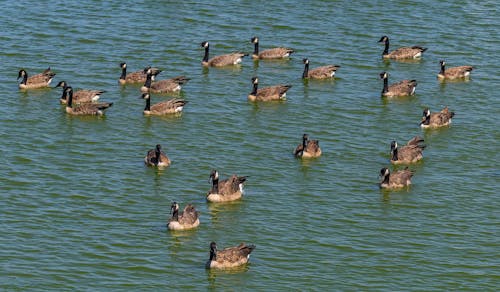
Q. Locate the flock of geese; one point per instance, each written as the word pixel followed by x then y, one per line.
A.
pixel 86 102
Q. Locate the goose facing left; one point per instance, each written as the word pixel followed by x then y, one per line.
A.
pixel 322 72
pixel 270 93
pixel 40 80
pixel 308 148
pixel 137 76
pixel 171 85
pixel 454 72
pixel 85 109
pixel 229 257
pixel 273 53
pixel 188 219
pixel 171 106
pixel 436 120
pixel 401 88
pixel 396 179
pixel 413 52
pixel 409 153
pixel 221 60
pixel 225 190
pixel 79 96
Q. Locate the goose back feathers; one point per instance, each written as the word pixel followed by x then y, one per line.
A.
pixel 409 153
pixel 229 257
pixel 435 120
pixel 188 219
pixel 308 148
pixel 156 157
pixel 397 179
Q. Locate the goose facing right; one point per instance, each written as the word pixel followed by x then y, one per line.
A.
pixel 435 120
pixel 409 153
pixel 395 180
pixel 221 60
pixel 40 80
pixel 156 157
pixel 225 190
pixel 270 93
pixel 229 257
pixel 401 88
pixel 188 219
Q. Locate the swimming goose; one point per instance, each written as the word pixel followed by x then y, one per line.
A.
pixel 89 109
pixel 156 157
pixel 434 120
pixel 79 96
pixel 274 53
pixel 163 86
pixel 137 76
pixel 322 72
pixel 188 219
pixel 402 88
pixel 276 92
pixel 401 53
pixel 308 148
pixel 409 153
pixel 225 190
pixel 40 80
pixel 229 257
pixel 454 72
pixel 171 106
pixel 398 179
pixel 222 60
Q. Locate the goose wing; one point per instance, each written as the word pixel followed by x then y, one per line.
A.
pixel 171 106
pixel 275 53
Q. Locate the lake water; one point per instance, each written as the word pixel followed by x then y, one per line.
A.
pixel 80 211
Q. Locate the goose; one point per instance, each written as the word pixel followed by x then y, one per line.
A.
pixel 225 190
pixel 402 88
pixel 322 72
pixel 222 60
pixel 79 96
pixel 398 179
pixel 188 219
pixel 40 80
pixel 274 53
pixel 401 53
pixel 171 106
pixel 156 157
pixel 276 92
pixel 229 257
pixel 435 120
pixel 409 153
pixel 137 76
pixel 88 109
pixel 308 148
pixel 163 86
pixel 454 72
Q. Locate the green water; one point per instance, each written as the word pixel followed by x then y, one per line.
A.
pixel 80 211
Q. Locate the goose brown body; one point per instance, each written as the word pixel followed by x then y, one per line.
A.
pixel 221 60
pixel 397 179
pixel 409 153
pixel 322 72
pixel 137 76
pixel 435 120
pixel 225 190
pixel 229 257
pixel 79 96
pixel 171 85
pixel 273 53
pixel 156 157
pixel 40 80
pixel 401 53
pixel 308 148
pixel 85 109
pixel 168 107
pixel 270 93
pixel 188 219
pixel 402 88
pixel 454 72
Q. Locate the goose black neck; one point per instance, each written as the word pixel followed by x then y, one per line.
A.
pixel 256 48
pixel 386 85
pixel 25 79
pixel 215 186
pixel 64 92
pixel 442 69
pixel 148 80
pixel 175 215
pixel 158 155
pixel 124 73
pixel 304 142
pixel 386 179
pixel 205 58
pixel 427 120
pixel 254 89
pixel 69 98
pixel 386 50
pixel 306 71
pixel 148 104
pixel 394 156
pixel 213 255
